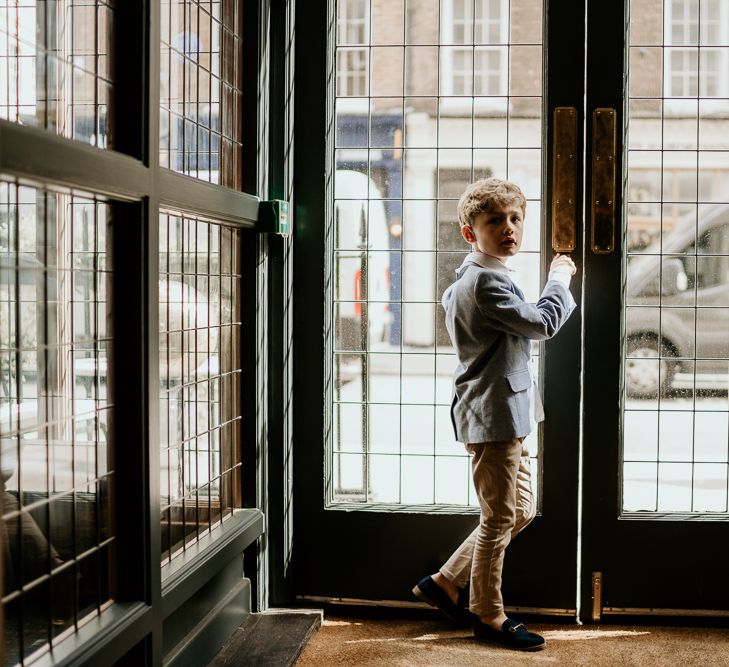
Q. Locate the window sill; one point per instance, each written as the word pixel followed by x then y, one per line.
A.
pixel 185 574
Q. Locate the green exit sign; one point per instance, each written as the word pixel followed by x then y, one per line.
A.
pixel 273 217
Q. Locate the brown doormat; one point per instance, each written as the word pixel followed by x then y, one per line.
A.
pixel 393 643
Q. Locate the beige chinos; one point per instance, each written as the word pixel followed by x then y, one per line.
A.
pixel 502 480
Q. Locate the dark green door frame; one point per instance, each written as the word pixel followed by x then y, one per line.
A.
pixel 379 555
pixel 646 565
pixel 270 26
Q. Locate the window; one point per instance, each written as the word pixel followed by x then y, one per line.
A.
pixel 199 286
pixel 676 256
pixel 200 90
pixel 57 533
pixel 352 51
pixel 58 79
pixel 475 61
pixel 199 378
pixel 697 58
pixel 397 173
pixel 121 353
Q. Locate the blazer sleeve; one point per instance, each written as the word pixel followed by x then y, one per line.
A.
pixel 506 311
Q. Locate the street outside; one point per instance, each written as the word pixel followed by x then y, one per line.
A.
pixel 414 459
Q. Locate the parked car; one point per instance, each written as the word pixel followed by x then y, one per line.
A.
pixel 682 325
pixel 362 262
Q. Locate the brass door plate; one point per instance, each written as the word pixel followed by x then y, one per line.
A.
pixel 564 179
pixel 597 585
pixel 603 181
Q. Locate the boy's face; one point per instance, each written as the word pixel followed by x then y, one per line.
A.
pixel 497 232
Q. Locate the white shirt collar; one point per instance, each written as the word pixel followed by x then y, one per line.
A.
pixel 486 262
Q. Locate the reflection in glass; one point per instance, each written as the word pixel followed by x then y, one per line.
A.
pixel 55 414
pixel 55 70
pixel 199 305
pixel 676 318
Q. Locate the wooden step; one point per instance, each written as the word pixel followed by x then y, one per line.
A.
pixel 274 638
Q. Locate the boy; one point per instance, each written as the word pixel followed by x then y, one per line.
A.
pixel 491 326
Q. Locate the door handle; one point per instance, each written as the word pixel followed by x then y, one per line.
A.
pixel 564 179
pixel 603 181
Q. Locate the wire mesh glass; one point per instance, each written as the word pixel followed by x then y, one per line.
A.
pixel 201 112
pixel 428 96
pixel 676 313
pixel 55 70
pixel 55 415
pixel 200 370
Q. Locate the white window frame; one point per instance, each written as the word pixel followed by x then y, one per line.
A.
pixel 472 45
pixel 353 37
pixel 684 100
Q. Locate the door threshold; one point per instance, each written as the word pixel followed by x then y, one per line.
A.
pixel 272 637
pixel 405 604
pixel 657 611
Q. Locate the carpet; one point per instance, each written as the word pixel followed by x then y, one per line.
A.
pixel 394 643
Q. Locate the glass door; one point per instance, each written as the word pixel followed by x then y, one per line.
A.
pixel 659 427
pixel 631 467
pixel 424 98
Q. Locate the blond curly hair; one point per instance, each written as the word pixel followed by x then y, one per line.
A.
pixel 485 195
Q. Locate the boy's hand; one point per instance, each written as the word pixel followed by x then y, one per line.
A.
pixel 563 262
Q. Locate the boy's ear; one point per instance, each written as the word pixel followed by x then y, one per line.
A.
pixel 467 234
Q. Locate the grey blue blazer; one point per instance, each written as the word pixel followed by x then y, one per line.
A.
pixel 490 325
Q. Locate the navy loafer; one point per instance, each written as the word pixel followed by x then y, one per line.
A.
pixel 512 635
pixel 428 591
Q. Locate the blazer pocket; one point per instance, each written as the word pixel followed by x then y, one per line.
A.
pixel 519 380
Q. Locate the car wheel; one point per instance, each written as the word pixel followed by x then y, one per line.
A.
pixel 644 378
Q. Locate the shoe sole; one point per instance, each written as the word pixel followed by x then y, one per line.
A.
pixel 418 593
pixel 422 596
